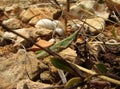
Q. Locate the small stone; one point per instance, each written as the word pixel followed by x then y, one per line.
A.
pixel 13 11
pixel 12 23
pixel 113 4
pixel 46 76
pixel 82 9
pixel 28 84
pixel 43 32
pixel 97 23
pixel 35 19
pixel 68 54
pixel 9 35
pixel 28 14
pixel 28 33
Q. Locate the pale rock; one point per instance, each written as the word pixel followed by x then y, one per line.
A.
pixel 104 14
pixel 1 32
pixel 46 77
pixel 83 9
pixel 15 67
pixel 35 19
pixel 9 35
pixel 43 32
pixel 113 5
pixel 2 8
pixel 68 54
pixel 28 84
pixel 87 4
pixel 97 23
pixel 12 23
pixel 13 10
pixel 116 1
pixel 28 14
pixel 44 13
pixel 29 33
pixel 101 10
pixel 88 9
pixel 33 14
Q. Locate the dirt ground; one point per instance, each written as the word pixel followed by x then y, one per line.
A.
pixel 87 49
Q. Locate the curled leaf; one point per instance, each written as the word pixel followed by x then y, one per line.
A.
pixel 72 82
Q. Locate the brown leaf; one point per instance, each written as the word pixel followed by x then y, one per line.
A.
pixel 42 43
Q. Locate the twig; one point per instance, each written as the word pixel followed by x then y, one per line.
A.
pixel 68 5
pixel 75 66
pixel 108 43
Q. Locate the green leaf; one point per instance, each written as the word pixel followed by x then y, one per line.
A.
pixel 102 68
pixel 61 64
pixel 72 82
pixel 58 46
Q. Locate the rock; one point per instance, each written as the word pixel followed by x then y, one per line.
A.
pixel 28 84
pixel 68 54
pixel 43 32
pixel 43 14
pixel 26 15
pixel 88 9
pixel 32 12
pixel 29 33
pixel 53 69
pixel 22 41
pixel 15 67
pixel 83 9
pixel 2 9
pixel 12 23
pixel 95 22
pixel 13 10
pixel 98 23
pixel 46 77
pixel 35 19
pixel 101 10
pixel 9 35
pixel 113 5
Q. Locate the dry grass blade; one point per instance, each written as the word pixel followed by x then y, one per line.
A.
pixel 94 73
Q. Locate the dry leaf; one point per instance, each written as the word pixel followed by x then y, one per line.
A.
pixel 42 43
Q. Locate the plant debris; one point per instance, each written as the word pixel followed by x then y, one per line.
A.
pixel 59 44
